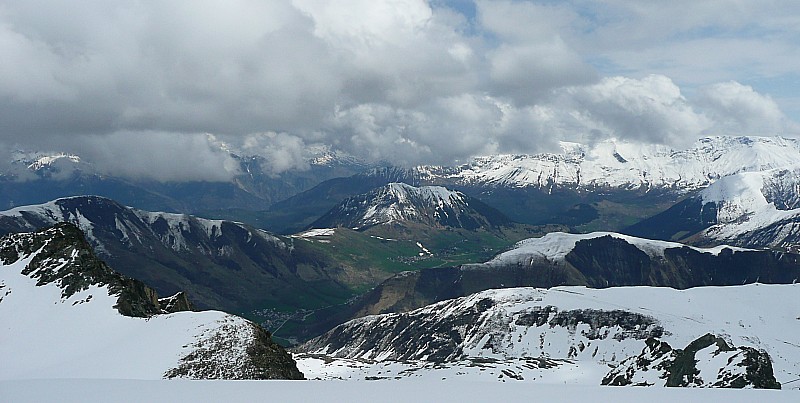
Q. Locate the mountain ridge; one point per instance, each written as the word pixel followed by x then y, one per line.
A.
pixel 112 326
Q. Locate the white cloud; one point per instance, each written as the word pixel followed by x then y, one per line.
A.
pixel 651 109
pixel 738 109
pixel 281 151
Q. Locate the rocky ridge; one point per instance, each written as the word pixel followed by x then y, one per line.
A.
pixel 53 275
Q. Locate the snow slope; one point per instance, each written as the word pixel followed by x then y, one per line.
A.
pixel 620 164
pixel 59 323
pixel 403 391
pixel 516 334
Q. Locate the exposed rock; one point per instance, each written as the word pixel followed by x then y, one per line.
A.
pixel 62 256
pixel 218 355
pixel 633 325
pixel 706 362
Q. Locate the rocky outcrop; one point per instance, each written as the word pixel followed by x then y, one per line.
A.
pixel 708 361
pixel 236 350
pixel 61 255
pixel 176 303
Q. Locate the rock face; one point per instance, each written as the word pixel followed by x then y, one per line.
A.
pixel 434 206
pixel 53 277
pixel 579 333
pixel 697 365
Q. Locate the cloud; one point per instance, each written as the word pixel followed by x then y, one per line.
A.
pixel 406 81
pixel 652 110
pixel 738 109
pixel 281 151
pixel 156 156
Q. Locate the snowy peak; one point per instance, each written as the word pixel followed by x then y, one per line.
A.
pixel 619 164
pixel 25 165
pixel 398 203
pixel 750 209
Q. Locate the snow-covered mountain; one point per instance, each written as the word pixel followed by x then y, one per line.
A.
pixel 66 314
pixel 611 182
pixel 756 209
pixel 620 164
pixel 398 203
pixel 706 337
pixel 221 264
pixel 596 260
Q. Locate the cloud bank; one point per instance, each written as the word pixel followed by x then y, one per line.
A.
pixel 137 86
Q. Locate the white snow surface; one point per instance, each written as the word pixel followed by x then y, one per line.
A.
pixel 555 246
pixel 762 316
pixel 620 164
pixel 43 336
pixel 403 391
pixel 315 232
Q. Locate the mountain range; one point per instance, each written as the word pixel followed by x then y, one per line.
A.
pixel 423 248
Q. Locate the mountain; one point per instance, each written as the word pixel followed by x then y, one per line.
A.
pixel 753 209
pixel 66 314
pixel 222 265
pixel 301 210
pixel 399 203
pixel 284 283
pixel 596 260
pixel 608 185
pixel 623 165
pixel 37 177
pixel 705 336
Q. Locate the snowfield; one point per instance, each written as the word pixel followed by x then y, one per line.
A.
pixel 404 391
pixel 503 344
pixel 46 336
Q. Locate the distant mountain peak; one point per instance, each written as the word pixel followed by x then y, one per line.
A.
pixel 402 203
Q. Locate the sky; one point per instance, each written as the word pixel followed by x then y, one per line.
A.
pixel 152 89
